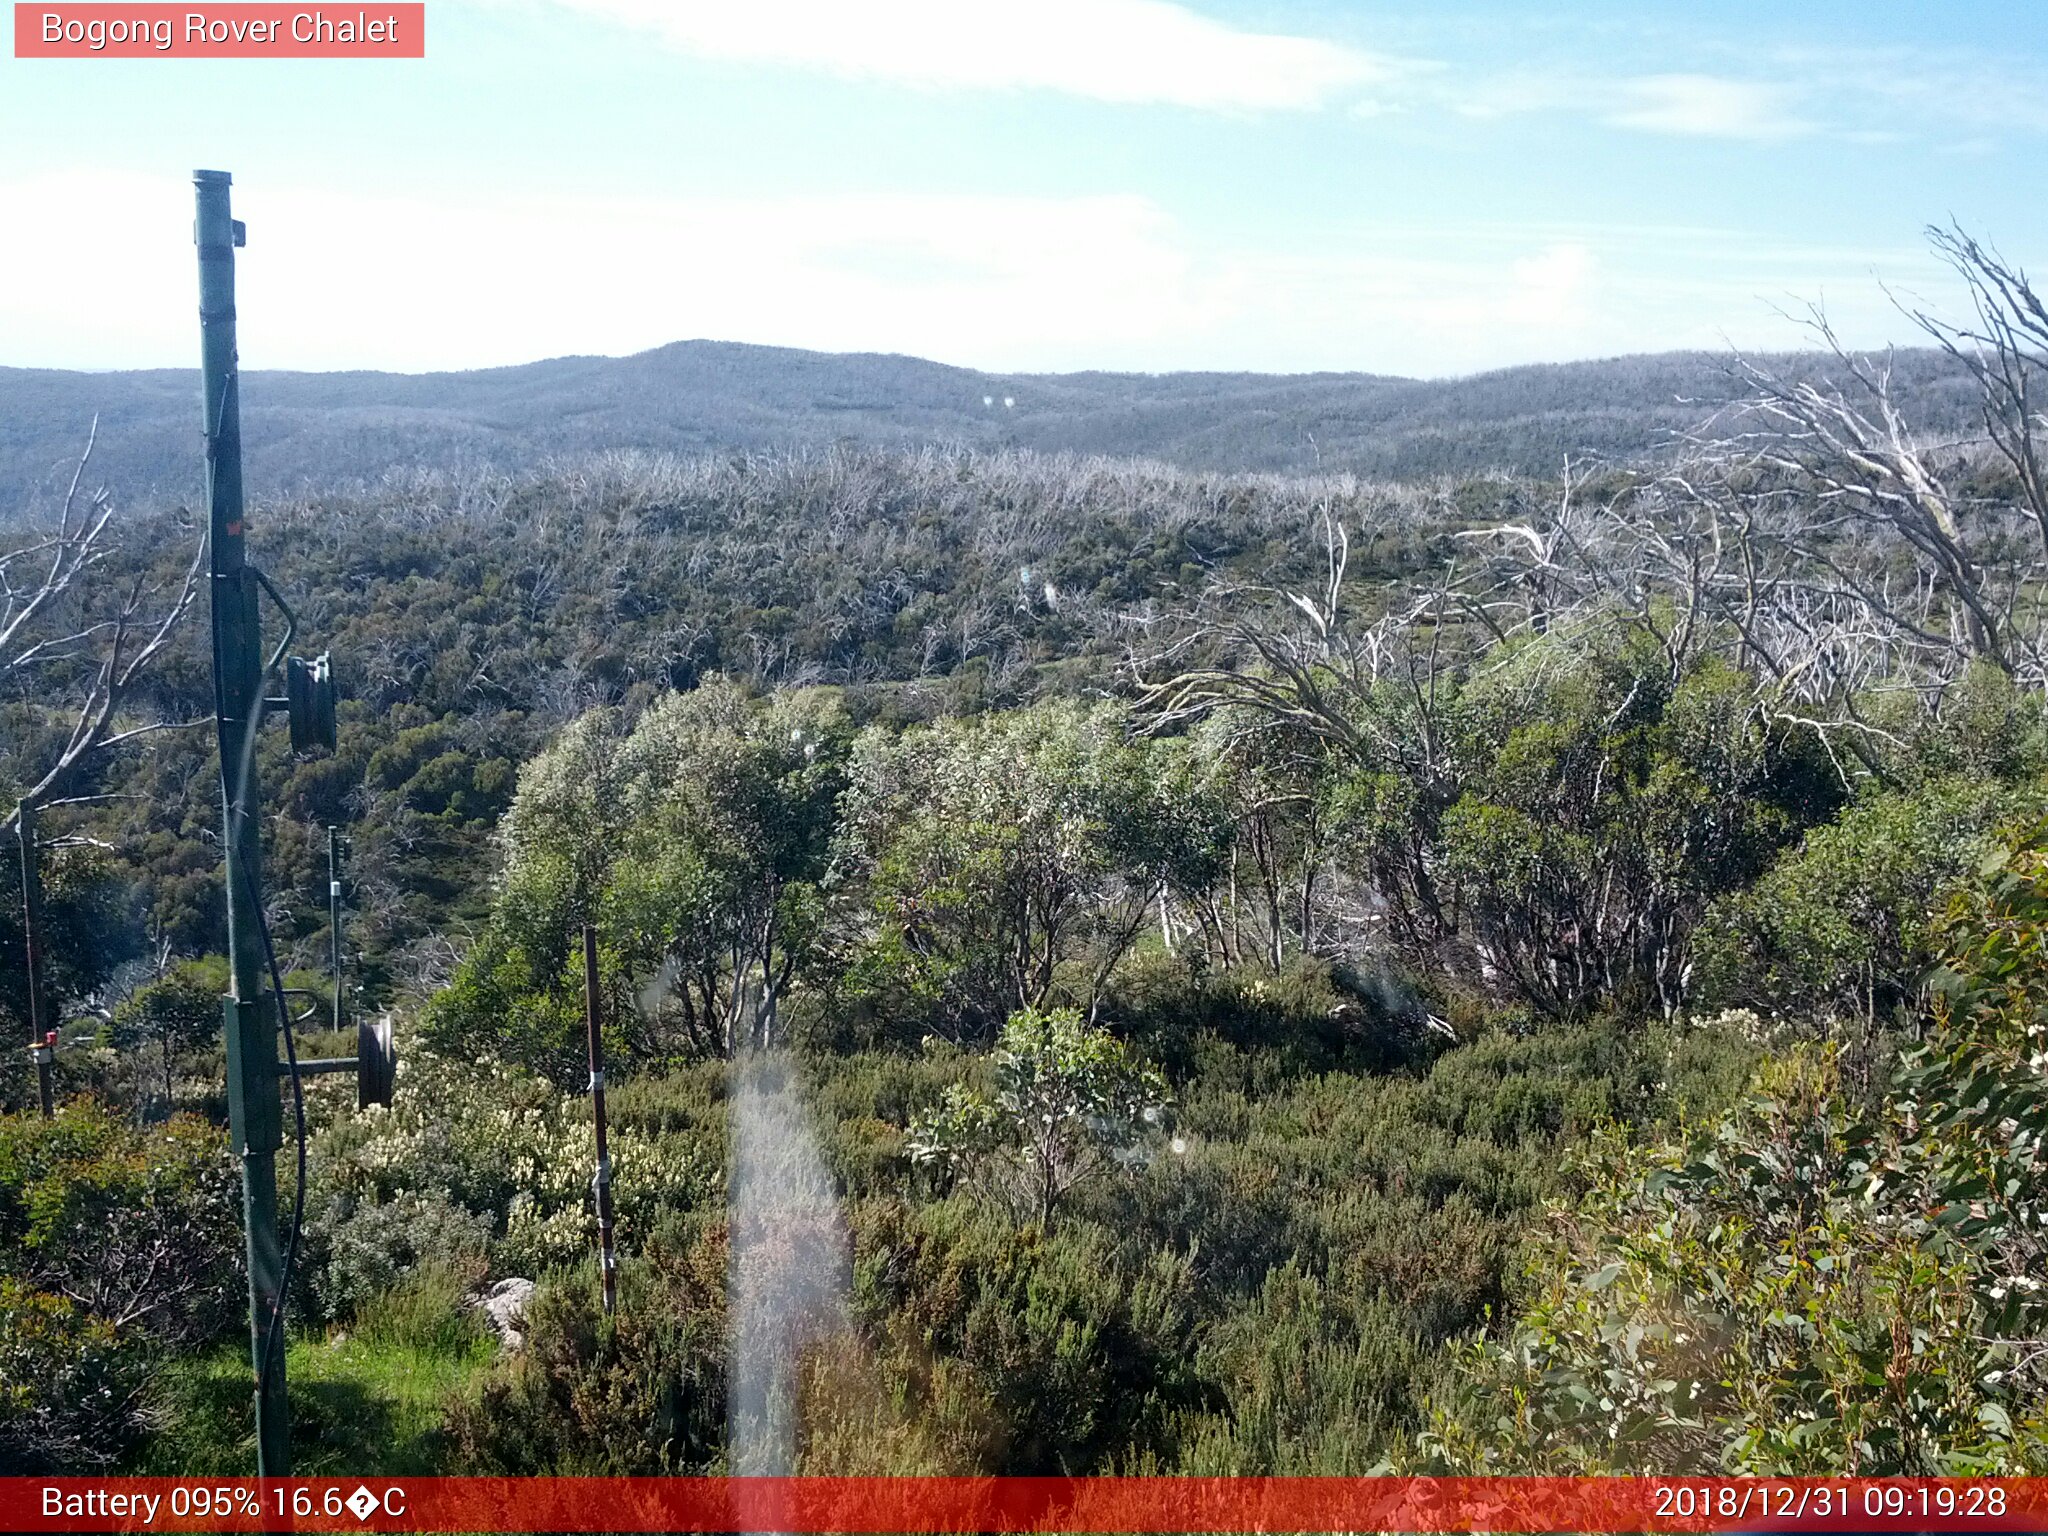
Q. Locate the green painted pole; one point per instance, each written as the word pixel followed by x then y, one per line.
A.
pixel 254 1116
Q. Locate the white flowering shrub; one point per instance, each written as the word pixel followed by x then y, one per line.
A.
pixel 479 1157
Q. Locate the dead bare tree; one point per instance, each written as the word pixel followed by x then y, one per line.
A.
pixel 2005 349
pixel 1288 659
pixel 51 578
pixel 126 641
pixel 1842 552
pixel 1874 487
pixel 1894 559
pixel 40 573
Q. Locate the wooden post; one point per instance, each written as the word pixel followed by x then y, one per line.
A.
pixel 601 1185
pixel 41 1044
pixel 334 914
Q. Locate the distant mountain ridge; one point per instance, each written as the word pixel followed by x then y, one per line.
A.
pixel 327 429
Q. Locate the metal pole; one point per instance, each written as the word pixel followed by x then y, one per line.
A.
pixel 254 1116
pixel 334 912
pixel 601 1186
pixel 39 1044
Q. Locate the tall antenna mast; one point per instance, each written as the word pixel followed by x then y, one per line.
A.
pixel 240 670
pixel 254 1114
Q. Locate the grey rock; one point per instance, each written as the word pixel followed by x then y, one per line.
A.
pixel 504 1308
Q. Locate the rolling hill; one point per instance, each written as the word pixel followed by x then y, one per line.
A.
pixel 324 429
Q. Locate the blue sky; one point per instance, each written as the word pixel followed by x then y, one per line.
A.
pixel 1036 184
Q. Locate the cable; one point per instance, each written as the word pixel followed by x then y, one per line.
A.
pixel 252 892
pixel 291 1053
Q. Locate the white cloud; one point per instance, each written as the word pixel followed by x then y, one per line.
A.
pixel 1708 106
pixel 1013 283
pixel 1431 307
pixel 490 280
pixel 1111 50
pixel 1161 51
pixel 1694 105
pixel 1514 92
pixel 1552 287
pixel 1904 92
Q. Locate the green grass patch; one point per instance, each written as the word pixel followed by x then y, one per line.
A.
pixel 369 1399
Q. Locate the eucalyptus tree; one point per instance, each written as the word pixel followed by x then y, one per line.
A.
pixel 1009 861
pixel 695 841
pixel 715 899
pixel 1526 779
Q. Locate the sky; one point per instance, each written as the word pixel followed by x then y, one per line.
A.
pixel 1038 185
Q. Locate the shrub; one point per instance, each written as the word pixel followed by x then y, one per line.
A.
pixel 1307 1016
pixel 471 1150
pixel 1067 1098
pixel 69 1383
pixel 117 1242
pixel 1319 1379
pixel 369 1249
pixel 1840 924
pixel 1808 1291
pixel 1022 1351
pixel 139 1225
pixel 639 1392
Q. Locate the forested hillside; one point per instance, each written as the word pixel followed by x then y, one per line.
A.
pixel 473 617
pixel 319 431
pixel 1106 967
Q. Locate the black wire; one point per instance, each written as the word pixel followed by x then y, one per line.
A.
pixel 253 894
pixel 291 1053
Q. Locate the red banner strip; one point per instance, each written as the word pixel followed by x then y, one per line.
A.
pixel 238 31
pixel 939 1504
